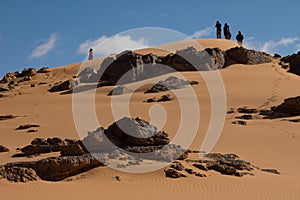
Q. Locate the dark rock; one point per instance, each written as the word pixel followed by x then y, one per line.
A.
pixel 189 59
pixel 240 122
pixel 151 100
pixel 44 70
pixel 27 126
pixel 247 110
pixel 290 107
pixel 200 166
pixel 135 132
pixel 173 173
pixel 28 72
pixel 294 63
pixel 240 55
pixel 66 85
pixel 6 117
pixel 3 149
pixel 42 83
pixel 200 175
pixel 164 98
pixel 241 174
pixel 276 56
pixel 32 85
pixel 294 120
pixel 18 174
pixel 171 83
pixel 273 171
pixel 230 111
pixel 39 141
pixel 177 165
pixel 25 78
pixel 2 89
pixel 118 178
pixel 32 131
pixel 246 117
pixel 189 171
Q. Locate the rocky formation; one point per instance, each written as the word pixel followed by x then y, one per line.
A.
pixel 171 83
pixel 240 122
pixel 25 75
pixel 66 85
pixel 18 174
pixel 246 117
pixel 27 126
pixel 293 62
pixel 247 110
pixel 6 117
pixel 135 132
pixel 66 147
pixel 218 58
pixel 240 55
pixel 163 98
pixel 290 107
pixel 3 149
pixel 44 70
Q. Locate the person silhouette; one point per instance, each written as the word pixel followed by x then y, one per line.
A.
pixel 219 30
pixel 91 54
pixel 227 32
pixel 240 38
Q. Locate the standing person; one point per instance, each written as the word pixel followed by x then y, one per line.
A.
pixel 91 54
pixel 219 30
pixel 240 38
pixel 227 32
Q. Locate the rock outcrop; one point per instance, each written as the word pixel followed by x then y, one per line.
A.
pixel 293 61
pixel 290 107
pixel 171 83
pixel 18 174
pixel 240 55
pixel 66 85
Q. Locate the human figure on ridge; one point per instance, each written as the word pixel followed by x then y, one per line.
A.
pixel 240 38
pixel 91 54
pixel 227 32
pixel 219 30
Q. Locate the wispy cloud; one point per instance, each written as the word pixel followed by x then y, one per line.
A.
pixel 202 33
pixel 44 48
pixel 272 46
pixel 104 45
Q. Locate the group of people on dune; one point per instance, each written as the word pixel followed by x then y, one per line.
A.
pixel 227 33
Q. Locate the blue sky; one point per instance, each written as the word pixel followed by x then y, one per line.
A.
pixel 36 33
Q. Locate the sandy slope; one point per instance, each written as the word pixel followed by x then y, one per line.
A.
pixel 265 143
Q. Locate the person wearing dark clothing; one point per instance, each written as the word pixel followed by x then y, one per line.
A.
pixel 240 38
pixel 227 32
pixel 219 30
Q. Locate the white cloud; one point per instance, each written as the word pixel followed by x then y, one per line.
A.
pixel 203 33
pixel 104 45
pixel 44 48
pixel 272 46
pixel 298 48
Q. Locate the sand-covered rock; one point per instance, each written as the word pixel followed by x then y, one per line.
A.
pixel 18 174
pixel 290 107
pixel 66 85
pixel 293 61
pixel 3 149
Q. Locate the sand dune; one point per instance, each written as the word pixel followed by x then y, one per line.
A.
pixel 265 143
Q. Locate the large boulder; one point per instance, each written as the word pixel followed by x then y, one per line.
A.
pixel 188 59
pixel 135 132
pixel 294 63
pixel 218 58
pixel 240 55
pixel 66 85
pixel 290 107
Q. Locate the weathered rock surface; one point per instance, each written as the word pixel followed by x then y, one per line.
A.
pixel 3 149
pixel 247 110
pixel 293 61
pixel 163 98
pixel 290 107
pixel 218 58
pixel 18 174
pixel 173 173
pixel 66 85
pixel 44 70
pixel 135 132
pixel 66 147
pixel 171 83
pixel 119 90
pixel 240 55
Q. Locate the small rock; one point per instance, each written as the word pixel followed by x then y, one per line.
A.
pixel 177 165
pixel 173 173
pixel 32 131
pixel 190 171
pixel 6 117
pixel 246 117
pixel 230 111
pixel 44 70
pixel 200 175
pixel 3 149
pixel 273 171
pixel 27 126
pixel 239 122
pixel 247 110
pixel 164 98
pixel 118 178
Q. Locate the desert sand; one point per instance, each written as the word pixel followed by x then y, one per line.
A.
pixel 267 143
